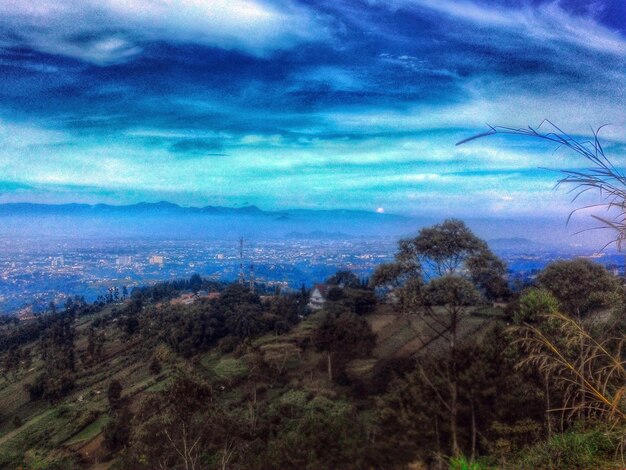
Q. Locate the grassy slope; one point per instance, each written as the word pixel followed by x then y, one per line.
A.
pixel 75 424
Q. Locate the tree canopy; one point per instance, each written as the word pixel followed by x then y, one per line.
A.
pixel 579 285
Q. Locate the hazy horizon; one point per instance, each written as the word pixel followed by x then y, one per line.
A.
pixel 166 220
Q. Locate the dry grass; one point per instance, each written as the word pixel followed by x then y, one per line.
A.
pixel 590 369
pixel 601 176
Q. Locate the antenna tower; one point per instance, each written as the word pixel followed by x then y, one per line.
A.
pixel 251 277
pixel 242 276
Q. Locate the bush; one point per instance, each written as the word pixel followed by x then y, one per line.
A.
pixel 155 367
pixel 573 450
pixel 114 392
pixel 462 463
pixel 116 432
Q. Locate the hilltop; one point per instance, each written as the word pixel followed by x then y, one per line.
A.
pixel 433 362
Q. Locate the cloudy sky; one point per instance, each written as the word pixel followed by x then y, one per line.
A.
pixel 317 104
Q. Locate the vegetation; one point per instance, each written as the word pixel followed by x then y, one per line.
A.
pixel 419 367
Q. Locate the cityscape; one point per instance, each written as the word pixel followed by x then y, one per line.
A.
pixel 34 273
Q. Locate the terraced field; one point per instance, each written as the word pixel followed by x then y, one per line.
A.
pixel 72 429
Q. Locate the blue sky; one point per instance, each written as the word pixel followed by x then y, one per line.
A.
pixel 312 104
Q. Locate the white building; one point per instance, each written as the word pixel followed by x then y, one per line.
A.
pixel 318 296
pixel 156 259
pixel 124 260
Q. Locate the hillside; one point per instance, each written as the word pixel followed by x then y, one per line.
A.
pixel 416 368
pixel 70 430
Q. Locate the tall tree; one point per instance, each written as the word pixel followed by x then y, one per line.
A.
pixel 443 273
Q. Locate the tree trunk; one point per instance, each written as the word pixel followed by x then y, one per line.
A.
pixel 330 367
pixel 453 420
pixel 473 411
pixel 437 440
pixel 548 406
pixel 454 385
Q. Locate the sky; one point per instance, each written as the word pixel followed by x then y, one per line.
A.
pixel 305 104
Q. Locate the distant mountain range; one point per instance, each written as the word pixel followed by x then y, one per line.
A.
pixel 168 220
pixel 169 208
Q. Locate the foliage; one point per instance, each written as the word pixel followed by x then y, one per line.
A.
pixel 593 448
pixel 114 392
pixel 116 432
pixel 344 279
pixel 533 304
pixel 579 285
pixel 343 338
pixel 326 434
pixel 462 463
pixel 590 369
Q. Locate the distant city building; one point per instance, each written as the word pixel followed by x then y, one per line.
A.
pixel 124 260
pixel 156 259
pixel 184 299
pixel 26 314
pixel 202 294
pixel 57 262
pixel 318 296
pixel 220 256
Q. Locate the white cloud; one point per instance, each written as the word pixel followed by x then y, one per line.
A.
pixel 23 136
pixel 546 22
pixel 112 31
pixel 498 104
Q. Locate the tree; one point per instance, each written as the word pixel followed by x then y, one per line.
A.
pixel 579 285
pixel 195 282
pixel 360 301
pixel 188 424
pixel 443 248
pixel 443 273
pixel 488 273
pixel 95 343
pixel 322 434
pixel 116 432
pixel 344 279
pixel 114 393
pixel 533 304
pixel 455 294
pixel 58 354
pixel 500 406
pixel 155 366
pixel 343 338
pixel 245 321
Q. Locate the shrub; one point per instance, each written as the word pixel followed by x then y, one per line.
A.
pixel 573 450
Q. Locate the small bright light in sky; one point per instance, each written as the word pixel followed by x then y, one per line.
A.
pixel 380 210
pixel 287 103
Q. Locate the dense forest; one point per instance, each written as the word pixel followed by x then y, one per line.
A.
pixel 434 362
